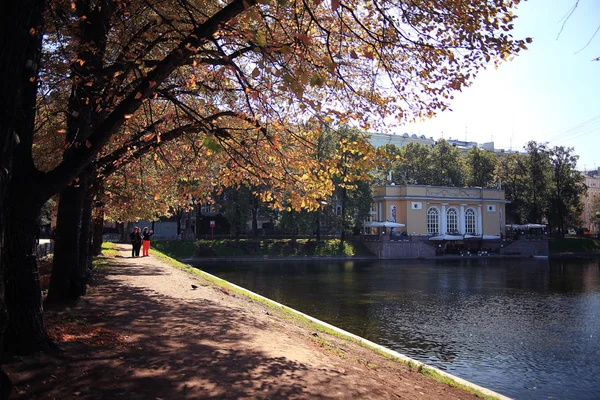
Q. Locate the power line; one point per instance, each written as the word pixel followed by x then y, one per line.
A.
pixel 590 123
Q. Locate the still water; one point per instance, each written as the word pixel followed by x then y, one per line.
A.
pixel 527 329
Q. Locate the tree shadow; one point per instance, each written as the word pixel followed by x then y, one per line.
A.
pixel 176 349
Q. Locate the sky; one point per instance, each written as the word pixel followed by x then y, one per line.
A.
pixel 549 93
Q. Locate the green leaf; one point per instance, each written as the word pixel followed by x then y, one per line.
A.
pixel 211 144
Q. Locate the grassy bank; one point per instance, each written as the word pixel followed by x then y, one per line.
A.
pixel 574 245
pixel 317 326
pixel 258 248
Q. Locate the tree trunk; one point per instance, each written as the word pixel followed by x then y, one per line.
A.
pixel 198 219
pixel 343 216
pixel 67 243
pixel 178 215
pixel 318 225
pixel 98 221
pixel 255 221
pixel 80 275
pixel 25 332
pixel 125 231
pixel 21 31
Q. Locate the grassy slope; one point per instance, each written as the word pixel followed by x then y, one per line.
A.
pixel 257 248
pixel 207 279
pixel 574 245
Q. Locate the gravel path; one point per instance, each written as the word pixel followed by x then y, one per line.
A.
pixel 177 342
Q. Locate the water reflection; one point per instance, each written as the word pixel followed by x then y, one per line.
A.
pixel 526 328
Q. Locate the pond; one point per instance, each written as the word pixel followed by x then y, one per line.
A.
pixel 527 329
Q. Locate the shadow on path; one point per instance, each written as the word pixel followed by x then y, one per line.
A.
pixel 175 348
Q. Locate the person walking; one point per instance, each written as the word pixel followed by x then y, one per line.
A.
pixel 146 240
pixel 136 242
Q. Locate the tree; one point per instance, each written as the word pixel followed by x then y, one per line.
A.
pixel 22 28
pixel 415 164
pixel 446 166
pixel 237 206
pixel 231 70
pixel 353 158
pixel 566 191
pixel 480 168
pixel 537 173
pixel 511 173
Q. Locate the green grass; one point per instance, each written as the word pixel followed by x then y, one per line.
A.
pixel 574 245
pixel 258 248
pixel 109 249
pixel 289 315
pixel 175 248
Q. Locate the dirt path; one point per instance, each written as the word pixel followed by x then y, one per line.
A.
pixel 158 338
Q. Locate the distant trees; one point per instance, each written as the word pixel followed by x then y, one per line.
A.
pixel 541 185
pixel 480 168
pixel 414 165
pixel 446 165
pixel 418 164
pixel 566 190
pixel 511 173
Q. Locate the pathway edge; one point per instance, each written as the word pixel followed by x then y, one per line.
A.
pixel 362 341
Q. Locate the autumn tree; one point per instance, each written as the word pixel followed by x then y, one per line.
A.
pixel 22 28
pixel 230 70
pixel 353 158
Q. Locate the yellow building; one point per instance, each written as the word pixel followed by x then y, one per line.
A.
pixel 438 210
pixel 592 181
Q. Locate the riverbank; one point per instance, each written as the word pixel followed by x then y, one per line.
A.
pixel 143 331
pixel 260 248
pixel 278 250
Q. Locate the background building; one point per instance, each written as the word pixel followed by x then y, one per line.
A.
pixel 438 210
pixel 592 181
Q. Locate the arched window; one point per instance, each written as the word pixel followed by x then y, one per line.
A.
pixel 452 220
pixel 433 220
pixel 470 221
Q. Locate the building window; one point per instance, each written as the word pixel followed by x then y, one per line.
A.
pixel 470 221
pixel 452 220
pixel 433 220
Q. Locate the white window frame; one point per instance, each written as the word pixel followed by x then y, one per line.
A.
pixel 471 221
pixel 452 222
pixel 433 226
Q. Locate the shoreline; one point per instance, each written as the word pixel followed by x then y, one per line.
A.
pixel 156 328
pixel 412 363
pixel 251 259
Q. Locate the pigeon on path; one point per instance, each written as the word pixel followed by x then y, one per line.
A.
pixel 194 287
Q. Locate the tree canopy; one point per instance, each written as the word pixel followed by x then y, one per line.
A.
pixel 118 79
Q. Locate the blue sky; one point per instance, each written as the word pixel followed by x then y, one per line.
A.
pixel 549 93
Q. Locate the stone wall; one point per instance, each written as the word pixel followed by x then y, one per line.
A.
pixel 526 248
pixel 395 250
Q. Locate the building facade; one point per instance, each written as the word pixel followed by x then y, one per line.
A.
pixel 437 210
pixel 592 181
